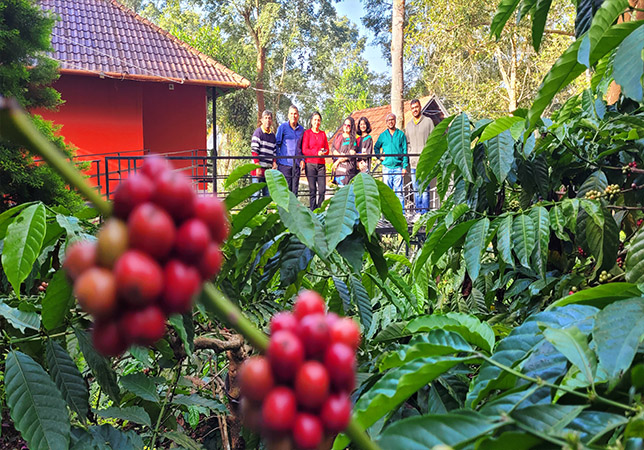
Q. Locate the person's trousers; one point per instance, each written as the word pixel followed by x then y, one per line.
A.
pixel 316 176
pixel 393 177
pixel 421 199
pixel 263 192
pixel 292 175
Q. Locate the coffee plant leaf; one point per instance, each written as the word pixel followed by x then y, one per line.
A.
pixel 67 377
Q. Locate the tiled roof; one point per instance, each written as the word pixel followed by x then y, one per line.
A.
pixel 106 38
pixel 431 107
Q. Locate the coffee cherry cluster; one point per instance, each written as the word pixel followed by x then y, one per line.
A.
pixel 604 276
pixel 612 190
pixel 299 391
pixel 149 260
pixel 628 168
pixel 593 195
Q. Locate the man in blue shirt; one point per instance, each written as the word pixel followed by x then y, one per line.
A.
pixel 289 143
pixel 392 141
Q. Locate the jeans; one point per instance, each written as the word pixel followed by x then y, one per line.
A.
pixel 420 199
pixel 316 176
pixel 393 177
pixel 292 175
pixel 263 192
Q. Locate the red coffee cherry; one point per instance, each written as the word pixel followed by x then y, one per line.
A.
pixel 283 321
pixel 108 339
pixel 213 213
pixel 311 385
pixel 192 239
pixel 139 278
pixel 336 412
pixel 314 334
pixel 286 354
pixel 151 230
pixel 340 362
pixel 278 409
pixel 80 256
pixel 256 378
pixel 307 431
pixel 210 262
pixel 130 193
pixel 182 282
pixel 331 318
pixel 145 326
pixel 154 166
pixel 346 331
pixel 95 290
pixel 308 302
pixel 112 242
pixel 174 194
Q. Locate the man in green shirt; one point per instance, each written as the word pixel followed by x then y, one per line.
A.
pixel 391 142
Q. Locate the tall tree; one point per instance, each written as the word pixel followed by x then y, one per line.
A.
pixel 397 76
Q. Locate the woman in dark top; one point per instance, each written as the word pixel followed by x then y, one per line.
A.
pixel 365 144
pixel 315 145
pixel 345 144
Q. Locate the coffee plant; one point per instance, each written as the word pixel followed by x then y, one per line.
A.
pixel 510 317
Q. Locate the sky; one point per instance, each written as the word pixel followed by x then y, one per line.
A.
pixel 353 10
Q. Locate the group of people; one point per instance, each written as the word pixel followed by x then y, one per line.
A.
pixel 293 149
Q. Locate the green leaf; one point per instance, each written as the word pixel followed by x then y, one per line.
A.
pixel 20 319
pixel 558 222
pixel 500 152
pixel 504 238
pixel 141 385
pixel 634 264
pixel 362 301
pixel 70 224
pixel 596 181
pixel 101 367
pixel 106 437
pixel 523 236
pixel 305 225
pixel 341 217
pixel 134 414
pixel 602 240
pixel 510 439
pixel 67 377
pixel 546 419
pixel 6 217
pixel 239 172
pixel 459 144
pixel 392 209
pixel 398 385
pixel 618 331
pixel 198 400
pixel 603 19
pixel 435 148
pixel 539 22
pixel 424 432
pixel 628 66
pixel 278 188
pixel 600 296
pixel 22 244
pixel 573 344
pixel 450 238
pixel 541 220
pixel 469 327
pixel 566 69
pixel 36 406
pixel 367 201
pixel 592 425
pixel 428 247
pixel 474 246
pixel 183 440
pixel 503 12
pixel 499 126
pixel 57 302
pixel 247 213
pixel 185 328
pixel 437 342
pixel 393 331
pixel 239 195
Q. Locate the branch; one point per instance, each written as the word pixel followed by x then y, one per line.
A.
pixel 235 342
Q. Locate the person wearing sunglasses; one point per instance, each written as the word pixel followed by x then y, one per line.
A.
pixel 392 141
pixel 345 144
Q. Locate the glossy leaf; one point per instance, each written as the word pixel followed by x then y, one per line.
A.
pixel 504 238
pixel 305 225
pixel 603 18
pixel 106 437
pixel 57 302
pixel 546 419
pixel 523 236
pixel 341 217
pixel 634 264
pixel 101 367
pixel 239 172
pixel 499 126
pixel 428 247
pixel 510 439
pixel 362 300
pixel 458 138
pixel 603 241
pixel 18 319
pixel 450 238
pixel 618 331
pixel 367 201
pixel 628 73
pixel 239 195
pixel 198 400
pixel 573 344
pixel 539 18
pixel 392 209
pixel 500 151
pixel 134 414
pixel 475 244
pixel 185 328
pixel 139 384
pixel 592 425
pixel 67 377
pixel 247 213
pixel 437 342
pixel 503 13
pixel 37 409
pixel 22 244
pixel 600 296
pixel 183 440
pixel 278 188
pixel 541 220
pixel 433 151
pixel 469 327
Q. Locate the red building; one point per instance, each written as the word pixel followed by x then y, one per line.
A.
pixel 130 87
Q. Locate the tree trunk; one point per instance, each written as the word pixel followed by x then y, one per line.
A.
pixel 259 83
pixel 397 80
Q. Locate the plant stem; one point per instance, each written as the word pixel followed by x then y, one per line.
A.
pixel 17 126
pixel 594 397
pixel 230 313
pixel 168 394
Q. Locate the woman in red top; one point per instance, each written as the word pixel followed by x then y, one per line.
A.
pixel 314 143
